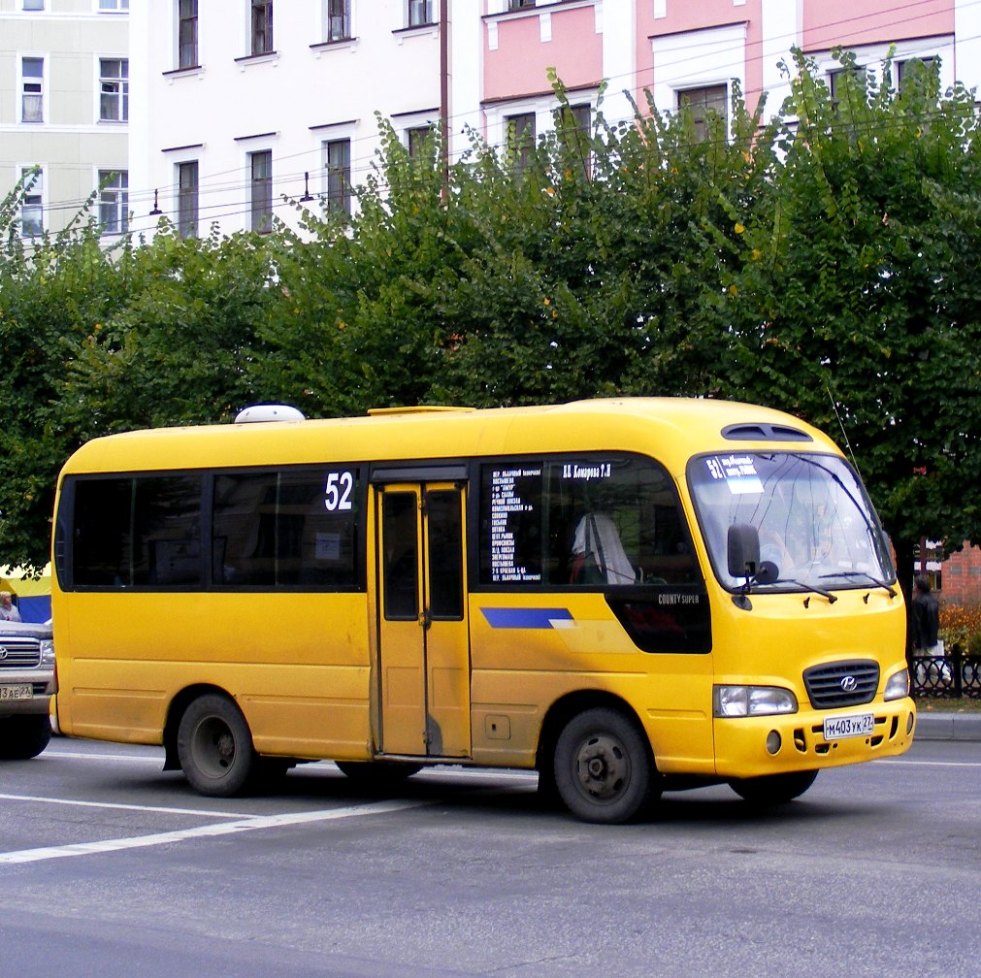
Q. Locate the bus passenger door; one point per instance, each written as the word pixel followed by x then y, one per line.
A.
pixel 423 633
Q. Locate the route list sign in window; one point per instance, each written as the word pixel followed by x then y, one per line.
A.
pixel 514 493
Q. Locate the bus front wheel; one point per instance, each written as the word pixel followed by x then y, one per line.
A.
pixel 604 771
pixel 773 789
pixel 215 747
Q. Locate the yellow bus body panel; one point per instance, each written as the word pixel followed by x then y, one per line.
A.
pixel 303 666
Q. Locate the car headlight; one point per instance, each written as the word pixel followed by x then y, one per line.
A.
pixel 752 701
pixel 47 652
pixel 898 686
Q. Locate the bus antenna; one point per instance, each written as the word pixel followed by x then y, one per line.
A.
pixel 844 434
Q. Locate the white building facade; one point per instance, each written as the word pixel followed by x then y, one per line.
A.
pixel 238 105
pixel 241 106
pixel 64 111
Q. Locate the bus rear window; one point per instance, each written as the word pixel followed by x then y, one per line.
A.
pixel 132 532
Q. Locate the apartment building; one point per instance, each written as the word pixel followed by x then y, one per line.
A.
pixel 64 110
pixel 240 105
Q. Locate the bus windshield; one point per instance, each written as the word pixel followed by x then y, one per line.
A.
pixel 816 525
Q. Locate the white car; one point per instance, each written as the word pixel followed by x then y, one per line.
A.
pixel 27 683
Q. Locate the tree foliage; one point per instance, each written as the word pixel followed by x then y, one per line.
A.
pixel 825 264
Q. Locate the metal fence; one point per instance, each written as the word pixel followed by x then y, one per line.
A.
pixel 947 676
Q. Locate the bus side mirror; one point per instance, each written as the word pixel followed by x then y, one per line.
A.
pixel 744 550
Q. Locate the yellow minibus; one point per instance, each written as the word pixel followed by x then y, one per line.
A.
pixel 627 595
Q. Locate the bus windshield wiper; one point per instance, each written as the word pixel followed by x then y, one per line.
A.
pixel 832 598
pixel 865 576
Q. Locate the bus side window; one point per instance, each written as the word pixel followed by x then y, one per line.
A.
pixel 401 556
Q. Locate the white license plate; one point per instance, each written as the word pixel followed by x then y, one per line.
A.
pixel 22 691
pixel 853 725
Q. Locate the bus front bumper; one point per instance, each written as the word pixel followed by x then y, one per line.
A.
pixel 747 747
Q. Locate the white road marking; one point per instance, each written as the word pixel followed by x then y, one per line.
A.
pixel 204 831
pixel 130 808
pixel 897 760
pixel 82 756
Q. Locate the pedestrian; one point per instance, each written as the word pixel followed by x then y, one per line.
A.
pixel 926 637
pixel 8 610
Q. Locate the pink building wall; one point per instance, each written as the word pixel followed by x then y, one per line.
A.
pixel 725 39
pixel 519 65
pixel 848 23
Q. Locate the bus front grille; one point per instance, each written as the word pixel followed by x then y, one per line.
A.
pixel 841 684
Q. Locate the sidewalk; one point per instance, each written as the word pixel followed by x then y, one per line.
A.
pixel 947 726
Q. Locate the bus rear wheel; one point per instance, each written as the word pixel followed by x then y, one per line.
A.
pixel 604 771
pixel 214 745
pixel 773 789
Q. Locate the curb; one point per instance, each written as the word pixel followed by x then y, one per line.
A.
pixel 948 726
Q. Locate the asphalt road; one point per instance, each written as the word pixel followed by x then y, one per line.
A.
pixel 111 868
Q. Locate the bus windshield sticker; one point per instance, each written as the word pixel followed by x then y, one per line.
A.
pixel 738 471
pixel 328 546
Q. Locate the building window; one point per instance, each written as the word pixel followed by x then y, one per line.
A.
pixel 338 15
pixel 187 34
pixel 521 137
pixel 337 161
pixel 910 68
pixel 703 102
pixel 261 167
pixel 114 89
pixel 114 201
pixel 836 83
pixel 416 137
pixel 187 199
pixel 520 4
pixel 114 6
pixel 262 27
pixel 32 89
pixel 33 5
pixel 574 126
pixel 32 202
pixel 420 12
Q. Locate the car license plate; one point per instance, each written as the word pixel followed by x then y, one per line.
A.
pixel 22 691
pixel 853 725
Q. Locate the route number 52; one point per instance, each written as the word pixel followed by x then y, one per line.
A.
pixel 337 492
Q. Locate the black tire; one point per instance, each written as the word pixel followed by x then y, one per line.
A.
pixel 378 773
pixel 24 737
pixel 604 770
pixel 773 789
pixel 214 746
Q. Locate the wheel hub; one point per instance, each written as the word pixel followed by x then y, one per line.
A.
pixel 603 767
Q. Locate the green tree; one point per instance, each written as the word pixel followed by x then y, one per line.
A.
pixel 181 346
pixel 52 289
pixel 855 302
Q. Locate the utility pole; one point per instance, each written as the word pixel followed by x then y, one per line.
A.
pixel 444 91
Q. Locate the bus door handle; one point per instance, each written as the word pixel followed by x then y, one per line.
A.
pixel 426 619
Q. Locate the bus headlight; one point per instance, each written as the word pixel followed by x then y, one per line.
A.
pixel 752 701
pixel 898 686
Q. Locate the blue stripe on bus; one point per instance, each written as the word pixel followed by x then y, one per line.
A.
pixel 525 617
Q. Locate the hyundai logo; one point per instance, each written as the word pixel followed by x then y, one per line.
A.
pixel 848 684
